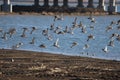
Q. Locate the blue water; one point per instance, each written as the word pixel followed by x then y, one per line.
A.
pixel 65 40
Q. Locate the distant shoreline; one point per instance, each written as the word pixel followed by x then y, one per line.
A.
pixel 58 13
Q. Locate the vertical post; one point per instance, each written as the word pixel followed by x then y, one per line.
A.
pixel 55 3
pixel 36 2
pixel 80 3
pixel 90 4
pixel 112 6
pixel 101 4
pixel 6 2
pixel 7 7
pixel 46 3
pixel 65 3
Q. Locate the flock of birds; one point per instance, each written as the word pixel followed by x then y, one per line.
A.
pixel 6 35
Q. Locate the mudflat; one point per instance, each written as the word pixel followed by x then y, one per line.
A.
pixel 28 65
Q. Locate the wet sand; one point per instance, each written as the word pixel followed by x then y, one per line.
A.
pixel 28 65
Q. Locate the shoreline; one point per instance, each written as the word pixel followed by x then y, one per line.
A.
pixel 58 13
pixel 24 65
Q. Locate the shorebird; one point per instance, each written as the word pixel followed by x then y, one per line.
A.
pixel 93 20
pixel 33 40
pixel 33 29
pixel 90 17
pixel 112 22
pixel 90 37
pixel 66 29
pixel 111 43
pixel 45 32
pixel 80 24
pixel 75 21
pixel 4 36
pixel 108 28
pixel 105 49
pixel 49 37
pixel 42 46
pixel 24 30
pixel 118 38
pixel 84 29
pixel 56 43
pixel 11 31
pixel 58 17
pixel 17 45
pixel 57 29
pixel 86 46
pixel 114 35
pixel 74 44
pixel 52 26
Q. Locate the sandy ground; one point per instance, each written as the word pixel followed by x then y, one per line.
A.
pixel 27 65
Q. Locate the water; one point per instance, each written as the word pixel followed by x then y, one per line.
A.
pixel 65 40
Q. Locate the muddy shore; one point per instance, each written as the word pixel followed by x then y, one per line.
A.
pixel 28 65
pixel 57 13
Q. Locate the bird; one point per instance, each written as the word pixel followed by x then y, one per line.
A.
pixel 24 30
pixel 33 40
pixel 42 46
pixel 84 29
pixel 17 45
pixel 45 32
pixel 66 29
pixel 4 36
pixel 105 49
pixel 52 26
pixel 56 43
pixel 112 22
pixel 33 29
pixel 93 20
pixel 75 21
pixel 58 17
pixel 109 28
pixel 111 43
pixel 11 31
pixel 74 44
pixel 114 35
pixel 80 24
pixel 118 38
pixel 49 37
pixel 90 37
pixel 86 46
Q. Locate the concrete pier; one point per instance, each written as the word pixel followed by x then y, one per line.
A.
pixel 46 3
pixel 65 3
pixel 80 3
pixel 55 3
pixel 90 4
pixel 112 7
pixel 36 2
pixel 101 4
pixel 6 7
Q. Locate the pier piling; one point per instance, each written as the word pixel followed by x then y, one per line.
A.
pixel 80 3
pixel 6 7
pixel 112 6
